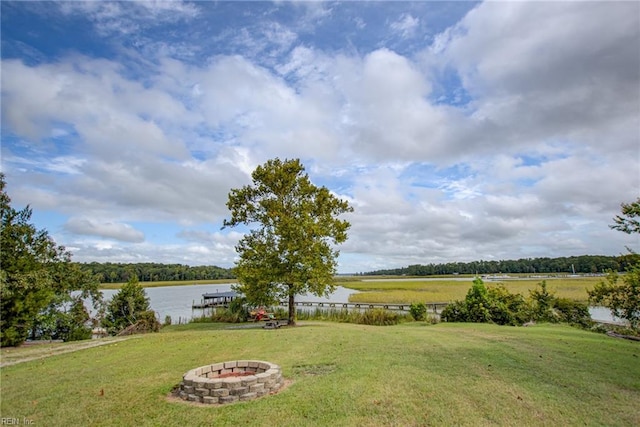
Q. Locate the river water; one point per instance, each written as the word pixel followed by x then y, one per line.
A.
pixel 603 314
pixel 176 301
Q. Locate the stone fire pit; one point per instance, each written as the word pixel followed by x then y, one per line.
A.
pixel 229 382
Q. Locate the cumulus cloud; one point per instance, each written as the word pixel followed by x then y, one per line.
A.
pixel 111 114
pixel 533 159
pixel 109 230
pixel 386 112
pixel 131 145
pixel 575 77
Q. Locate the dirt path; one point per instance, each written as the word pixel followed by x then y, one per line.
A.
pixel 32 351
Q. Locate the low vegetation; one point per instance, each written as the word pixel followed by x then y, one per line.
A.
pixel 343 374
pixel 495 304
pixel 374 317
pixel 129 311
pixel 394 290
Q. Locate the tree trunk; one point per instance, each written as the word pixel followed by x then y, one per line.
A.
pixel 292 307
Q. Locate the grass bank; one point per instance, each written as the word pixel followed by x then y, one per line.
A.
pixel 344 375
pixel 446 290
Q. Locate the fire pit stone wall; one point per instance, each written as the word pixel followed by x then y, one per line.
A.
pixel 228 382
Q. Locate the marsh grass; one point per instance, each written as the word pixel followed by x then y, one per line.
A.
pixel 344 375
pixel 401 291
pixel 376 316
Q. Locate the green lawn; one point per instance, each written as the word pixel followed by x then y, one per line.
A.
pixel 343 375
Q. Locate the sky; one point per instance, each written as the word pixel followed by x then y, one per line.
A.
pixel 458 131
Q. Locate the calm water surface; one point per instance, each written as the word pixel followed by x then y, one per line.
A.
pixel 603 314
pixel 176 301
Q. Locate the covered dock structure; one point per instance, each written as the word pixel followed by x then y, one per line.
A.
pixel 216 299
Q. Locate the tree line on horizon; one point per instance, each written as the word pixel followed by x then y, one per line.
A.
pixel 155 272
pixel 584 264
pixel 110 272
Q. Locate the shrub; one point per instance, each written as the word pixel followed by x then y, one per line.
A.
pixel 71 326
pixel 475 307
pixel 455 312
pixel 418 311
pixel 497 305
pixel 125 307
pixel 507 308
pixel 478 303
pixel 67 324
pixel 226 315
pixel 238 309
pixel 281 313
pixel 147 322
pixel 572 312
pixel 542 303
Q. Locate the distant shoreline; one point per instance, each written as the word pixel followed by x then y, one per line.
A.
pixel 161 283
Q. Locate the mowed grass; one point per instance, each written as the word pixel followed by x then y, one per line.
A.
pixel 415 291
pixel 344 375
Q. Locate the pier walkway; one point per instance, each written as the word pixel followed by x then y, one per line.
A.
pixel 223 301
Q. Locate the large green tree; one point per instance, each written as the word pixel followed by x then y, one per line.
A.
pixel 291 249
pixel 41 290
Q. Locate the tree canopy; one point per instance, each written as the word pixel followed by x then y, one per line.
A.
pixel 41 290
pixel 589 264
pixel 291 249
pixel 110 272
pixel 627 222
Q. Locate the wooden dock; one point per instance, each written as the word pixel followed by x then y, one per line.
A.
pixel 434 307
pixel 214 300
